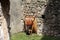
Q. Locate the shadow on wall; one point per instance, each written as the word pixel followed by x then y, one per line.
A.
pixel 5 9
pixel 51 20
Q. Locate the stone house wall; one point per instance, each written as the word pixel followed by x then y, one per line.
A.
pixel 3 26
pixel 18 9
pixel 46 11
pixel 16 16
pixel 47 15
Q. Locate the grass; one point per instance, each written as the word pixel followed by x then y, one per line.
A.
pixel 23 36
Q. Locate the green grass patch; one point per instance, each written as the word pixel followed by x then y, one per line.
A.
pixel 23 36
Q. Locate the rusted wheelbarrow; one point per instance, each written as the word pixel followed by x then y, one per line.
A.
pixel 30 25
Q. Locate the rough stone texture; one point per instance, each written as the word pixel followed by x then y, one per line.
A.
pixel 36 8
pixel 3 25
pixel 46 11
pixel 52 20
pixel 47 15
pixel 15 16
pixel 18 9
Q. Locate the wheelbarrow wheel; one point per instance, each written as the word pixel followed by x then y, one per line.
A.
pixel 27 32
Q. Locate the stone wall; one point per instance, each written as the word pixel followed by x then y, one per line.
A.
pixel 15 16
pixel 47 15
pixel 46 12
pixel 37 9
pixel 4 35
pixel 20 8
pixel 52 18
